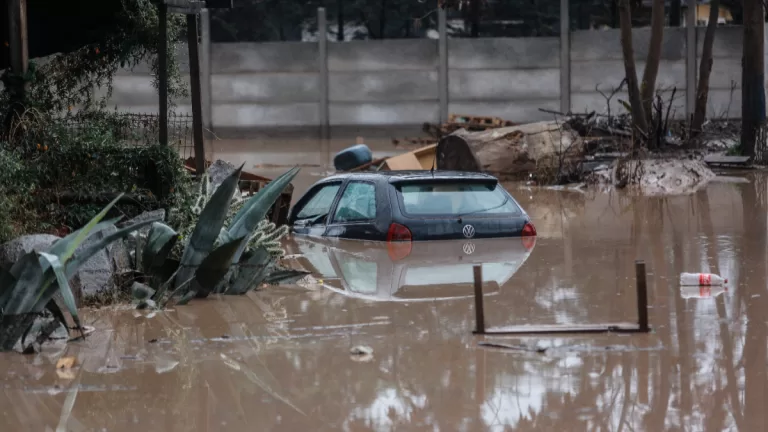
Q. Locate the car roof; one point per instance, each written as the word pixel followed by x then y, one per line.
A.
pixel 397 176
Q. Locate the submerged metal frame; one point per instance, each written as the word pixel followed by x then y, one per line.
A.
pixel 642 313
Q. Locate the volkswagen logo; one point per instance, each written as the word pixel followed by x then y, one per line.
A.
pixel 469 231
pixel 469 248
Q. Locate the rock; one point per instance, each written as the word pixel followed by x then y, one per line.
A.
pixel 515 151
pixel 13 250
pixel 129 243
pixel 219 171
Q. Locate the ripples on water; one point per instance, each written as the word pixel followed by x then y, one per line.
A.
pixel 280 360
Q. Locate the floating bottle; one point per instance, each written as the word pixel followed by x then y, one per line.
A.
pixel 702 292
pixel 701 279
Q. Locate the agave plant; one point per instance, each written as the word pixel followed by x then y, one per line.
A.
pixel 215 258
pixel 28 289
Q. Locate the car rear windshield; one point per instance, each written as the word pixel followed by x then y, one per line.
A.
pixel 425 199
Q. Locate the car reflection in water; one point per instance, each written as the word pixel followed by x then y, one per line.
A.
pixel 410 271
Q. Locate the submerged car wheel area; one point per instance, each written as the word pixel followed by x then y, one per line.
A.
pixel 406 206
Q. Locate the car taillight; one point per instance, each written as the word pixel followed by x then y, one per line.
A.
pixel 529 230
pixel 398 242
pixel 529 236
pixel 398 233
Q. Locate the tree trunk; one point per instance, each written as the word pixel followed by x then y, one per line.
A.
pixel 648 85
pixel 752 76
pixel 475 5
pixel 628 52
pixel 511 152
pixel 705 69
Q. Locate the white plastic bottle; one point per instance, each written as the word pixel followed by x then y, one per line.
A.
pixel 702 292
pixel 701 279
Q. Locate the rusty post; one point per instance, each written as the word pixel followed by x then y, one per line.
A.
pixel 642 296
pixel 479 313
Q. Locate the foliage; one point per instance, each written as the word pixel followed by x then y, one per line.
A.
pixel 27 289
pixel 64 80
pixel 15 188
pixel 70 166
pixel 229 249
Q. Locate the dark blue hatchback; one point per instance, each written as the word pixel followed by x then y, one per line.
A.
pixel 410 206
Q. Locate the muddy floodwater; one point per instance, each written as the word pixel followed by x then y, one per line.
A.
pixel 282 360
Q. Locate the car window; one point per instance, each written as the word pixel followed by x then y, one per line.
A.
pixel 357 203
pixel 320 204
pixel 424 199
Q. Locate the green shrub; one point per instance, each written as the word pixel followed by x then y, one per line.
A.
pixel 71 173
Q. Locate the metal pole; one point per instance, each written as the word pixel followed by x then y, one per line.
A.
pixel 565 57
pixel 642 296
pixel 162 61
pixel 197 105
pixel 442 72
pixel 17 45
pixel 479 313
pixel 205 70
pixel 690 61
pixel 322 45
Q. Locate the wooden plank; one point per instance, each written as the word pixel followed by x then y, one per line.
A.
pixel 407 161
pixel 561 328
pixel 726 160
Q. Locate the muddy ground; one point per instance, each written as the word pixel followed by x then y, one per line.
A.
pixel 281 360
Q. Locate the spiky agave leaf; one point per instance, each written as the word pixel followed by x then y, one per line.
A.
pixel 208 227
pixel 160 241
pixel 64 288
pixel 215 266
pixel 257 207
pixel 251 271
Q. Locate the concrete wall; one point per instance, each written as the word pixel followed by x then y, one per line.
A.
pixel 397 82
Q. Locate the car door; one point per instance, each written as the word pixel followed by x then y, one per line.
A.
pixel 355 214
pixel 310 215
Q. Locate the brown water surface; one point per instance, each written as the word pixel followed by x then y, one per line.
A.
pixel 280 359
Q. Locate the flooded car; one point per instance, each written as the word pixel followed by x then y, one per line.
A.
pixel 402 271
pixel 409 206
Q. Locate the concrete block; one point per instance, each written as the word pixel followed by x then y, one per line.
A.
pixel 393 113
pixel 410 85
pixel 467 84
pixel 609 73
pixel 250 115
pixel 727 43
pixel 504 53
pixel 265 87
pixel 388 54
pixel 587 45
pixel 263 57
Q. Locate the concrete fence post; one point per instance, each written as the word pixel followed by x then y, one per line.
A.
pixel 565 57
pixel 690 62
pixel 322 45
pixel 205 71
pixel 442 69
